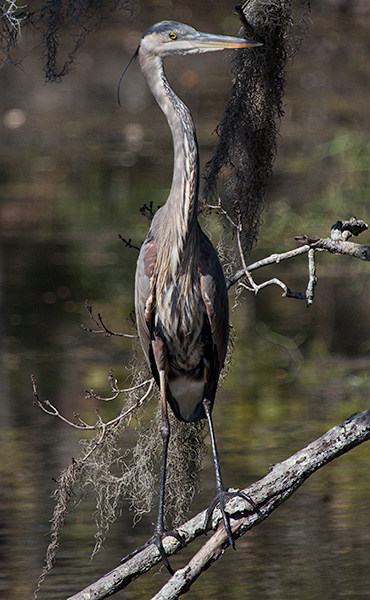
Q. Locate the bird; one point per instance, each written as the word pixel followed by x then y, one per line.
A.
pixel 181 300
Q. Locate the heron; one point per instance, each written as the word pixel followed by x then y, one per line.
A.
pixel 181 299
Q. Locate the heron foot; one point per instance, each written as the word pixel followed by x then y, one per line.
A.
pixel 221 499
pixel 156 539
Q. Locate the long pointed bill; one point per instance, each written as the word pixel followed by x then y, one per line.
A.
pixel 209 41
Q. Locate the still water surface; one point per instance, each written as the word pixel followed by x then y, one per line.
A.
pixel 73 173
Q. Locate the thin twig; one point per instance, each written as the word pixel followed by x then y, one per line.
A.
pixel 128 242
pixel 102 328
pixel 219 209
pixel 50 409
pixel 113 382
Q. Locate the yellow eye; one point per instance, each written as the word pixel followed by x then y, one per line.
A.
pixel 173 36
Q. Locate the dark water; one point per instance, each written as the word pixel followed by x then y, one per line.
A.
pixel 74 169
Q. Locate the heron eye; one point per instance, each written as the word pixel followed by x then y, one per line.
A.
pixel 173 36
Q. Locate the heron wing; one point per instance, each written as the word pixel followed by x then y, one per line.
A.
pixel 144 298
pixel 214 294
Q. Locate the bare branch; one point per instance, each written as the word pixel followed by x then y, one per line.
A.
pixel 13 14
pixel 47 407
pixel 338 243
pixel 148 211
pixel 275 488
pixel 274 281
pixel 219 209
pixel 101 326
pixel 269 260
pixel 360 251
pixel 312 279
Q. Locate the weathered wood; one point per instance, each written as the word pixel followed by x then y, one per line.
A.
pixel 268 493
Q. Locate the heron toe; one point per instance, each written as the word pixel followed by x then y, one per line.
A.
pixel 156 539
pixel 221 499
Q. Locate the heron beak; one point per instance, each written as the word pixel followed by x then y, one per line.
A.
pixel 209 41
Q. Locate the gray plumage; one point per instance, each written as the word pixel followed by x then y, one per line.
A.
pixel 180 293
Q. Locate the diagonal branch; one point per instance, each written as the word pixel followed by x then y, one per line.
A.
pixel 268 493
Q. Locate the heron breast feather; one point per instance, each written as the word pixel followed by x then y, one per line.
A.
pixel 188 393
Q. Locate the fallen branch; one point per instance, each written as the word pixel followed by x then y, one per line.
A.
pixel 277 486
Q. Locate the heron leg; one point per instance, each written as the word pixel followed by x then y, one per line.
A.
pixel 222 494
pixel 165 434
pixel 220 490
pixel 160 357
pixel 160 531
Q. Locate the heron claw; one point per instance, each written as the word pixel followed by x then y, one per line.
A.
pixel 221 498
pixel 156 539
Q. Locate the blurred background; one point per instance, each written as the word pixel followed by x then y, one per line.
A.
pixel 74 170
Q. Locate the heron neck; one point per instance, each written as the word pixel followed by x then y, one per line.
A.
pixel 183 198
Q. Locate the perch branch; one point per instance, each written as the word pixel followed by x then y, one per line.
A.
pixel 282 480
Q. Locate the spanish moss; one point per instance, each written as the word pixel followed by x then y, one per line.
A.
pixel 246 147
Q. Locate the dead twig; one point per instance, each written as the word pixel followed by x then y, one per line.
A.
pixel 49 408
pixel 113 382
pixel 128 242
pixel 102 328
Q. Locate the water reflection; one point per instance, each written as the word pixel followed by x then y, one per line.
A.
pixel 73 173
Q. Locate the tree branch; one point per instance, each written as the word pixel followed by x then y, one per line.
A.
pixel 268 493
pixel 269 260
pixel 340 246
pixel 338 243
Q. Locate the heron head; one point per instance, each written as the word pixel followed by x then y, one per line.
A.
pixel 170 37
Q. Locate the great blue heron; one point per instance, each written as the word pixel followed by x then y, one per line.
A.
pixel 180 292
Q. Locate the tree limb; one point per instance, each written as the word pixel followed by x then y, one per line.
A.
pixel 360 251
pixel 282 480
pixel 338 243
